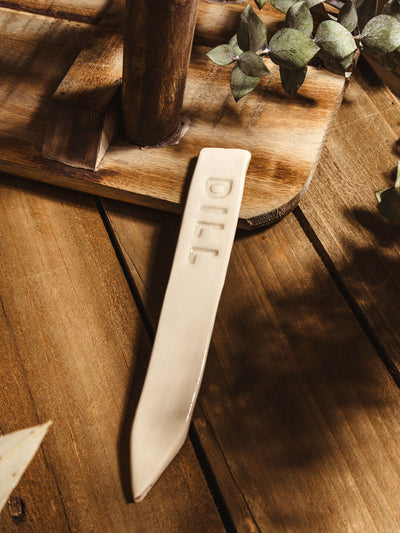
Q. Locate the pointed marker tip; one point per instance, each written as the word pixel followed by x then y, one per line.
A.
pixel 47 424
pixel 137 498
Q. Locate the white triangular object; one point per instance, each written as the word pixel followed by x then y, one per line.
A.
pixel 17 450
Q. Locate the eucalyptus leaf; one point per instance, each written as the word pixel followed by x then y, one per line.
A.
pixel 299 17
pixel 392 8
pixel 381 35
pixel 260 3
pixel 313 3
pixel 335 39
pixel 282 5
pixel 338 66
pixel 222 54
pixel 366 10
pixel 291 49
pixel 347 62
pixel 252 33
pixel 241 84
pixel 292 79
pixel 234 45
pixel 252 65
pixel 348 16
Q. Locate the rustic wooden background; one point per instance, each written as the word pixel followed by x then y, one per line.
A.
pixel 297 427
pixel 71 126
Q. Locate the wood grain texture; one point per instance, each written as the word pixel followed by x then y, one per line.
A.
pixel 285 146
pixel 87 11
pixel 157 46
pixel 217 23
pixel 84 108
pixel 361 157
pixel 71 338
pixel 299 417
pixel 83 111
pixel 390 78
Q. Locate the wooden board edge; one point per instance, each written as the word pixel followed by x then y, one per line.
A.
pixel 24 161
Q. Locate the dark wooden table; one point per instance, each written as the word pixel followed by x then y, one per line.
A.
pixel 297 427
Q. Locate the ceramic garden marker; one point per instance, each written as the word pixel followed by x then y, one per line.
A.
pixel 17 449
pixel 157 45
pixel 175 371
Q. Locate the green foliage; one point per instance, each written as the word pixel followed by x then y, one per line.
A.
pixel 222 54
pixel 299 18
pixel 347 62
pixel 282 5
pixel 290 48
pixel 381 35
pixel 252 33
pixel 334 39
pixel 252 65
pixel 234 45
pixel 293 47
pixel 366 10
pixel 241 84
pixel 389 200
pixel 348 16
pixel 292 79
pixel 242 47
pixel 260 3
pixel 338 66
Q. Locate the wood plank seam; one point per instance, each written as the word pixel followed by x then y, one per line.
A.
pixel 82 440
pixel 226 464
pixel 346 293
pixel 210 478
pixel 121 259
pixel 193 433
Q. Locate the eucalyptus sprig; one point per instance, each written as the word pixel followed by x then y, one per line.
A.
pixel 294 46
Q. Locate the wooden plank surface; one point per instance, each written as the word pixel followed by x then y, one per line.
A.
pixel 360 157
pixel 304 414
pixel 285 146
pixel 217 23
pixel 82 114
pixel 71 336
pixel 298 419
pixel 88 11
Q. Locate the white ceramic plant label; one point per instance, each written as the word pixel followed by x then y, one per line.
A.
pixel 17 449
pixel 175 371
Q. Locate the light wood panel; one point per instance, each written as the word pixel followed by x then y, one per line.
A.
pixel 360 157
pixel 299 417
pixel 71 340
pixel 284 135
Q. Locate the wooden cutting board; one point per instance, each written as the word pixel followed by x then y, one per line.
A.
pixel 285 135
